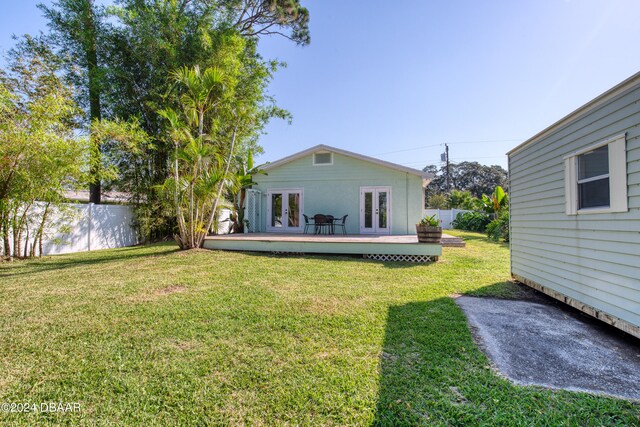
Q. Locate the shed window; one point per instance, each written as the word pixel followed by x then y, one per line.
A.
pixel 596 178
pixel 322 158
pixel 593 179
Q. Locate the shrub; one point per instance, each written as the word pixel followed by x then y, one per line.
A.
pixel 462 200
pixel 499 228
pixel 471 221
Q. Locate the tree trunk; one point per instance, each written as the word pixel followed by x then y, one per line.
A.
pixel 93 71
pixel 217 199
pixel 15 231
pixel 17 236
pixel 26 243
pixel 40 232
pixel 4 222
pixel 240 214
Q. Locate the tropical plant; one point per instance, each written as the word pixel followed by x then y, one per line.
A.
pixel 462 200
pixel 499 227
pixel 431 221
pixel 199 169
pixel 496 202
pixel 119 57
pixel 471 221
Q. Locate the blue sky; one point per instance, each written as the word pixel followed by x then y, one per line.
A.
pixel 398 82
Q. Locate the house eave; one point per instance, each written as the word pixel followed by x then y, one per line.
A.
pixel 322 147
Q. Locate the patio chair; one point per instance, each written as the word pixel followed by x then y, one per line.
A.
pixel 341 222
pixel 321 224
pixel 307 223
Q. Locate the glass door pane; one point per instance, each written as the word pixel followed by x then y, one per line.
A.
pixel 276 210
pixel 382 209
pixel 368 209
pixel 293 210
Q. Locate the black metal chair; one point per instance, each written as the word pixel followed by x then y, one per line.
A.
pixel 341 222
pixel 307 223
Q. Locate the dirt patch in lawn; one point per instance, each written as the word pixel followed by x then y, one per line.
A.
pixel 189 252
pixel 171 290
pixel 152 295
pixel 184 345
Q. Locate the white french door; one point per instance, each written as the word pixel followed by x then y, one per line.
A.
pixel 375 210
pixel 284 210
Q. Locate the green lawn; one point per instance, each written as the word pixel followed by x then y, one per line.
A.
pixel 154 336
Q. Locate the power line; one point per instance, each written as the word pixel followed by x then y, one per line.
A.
pixel 408 149
pixel 454 142
pixel 456 158
pixel 481 157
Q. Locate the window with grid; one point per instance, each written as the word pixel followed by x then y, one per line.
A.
pixel 596 178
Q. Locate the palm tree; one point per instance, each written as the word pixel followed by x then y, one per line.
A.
pixel 200 173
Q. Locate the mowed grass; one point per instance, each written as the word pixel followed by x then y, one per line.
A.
pixel 154 336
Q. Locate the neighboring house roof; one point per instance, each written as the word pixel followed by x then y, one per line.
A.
pixel 82 196
pixel 597 102
pixel 424 175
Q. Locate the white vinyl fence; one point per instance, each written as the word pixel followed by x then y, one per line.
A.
pixel 83 227
pixel 80 227
pixel 224 221
pixel 446 216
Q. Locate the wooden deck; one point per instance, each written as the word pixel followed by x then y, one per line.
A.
pixel 404 247
pixel 447 239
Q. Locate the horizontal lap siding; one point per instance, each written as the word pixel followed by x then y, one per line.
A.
pixel 335 189
pixel 595 258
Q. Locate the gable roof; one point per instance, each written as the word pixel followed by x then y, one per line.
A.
pixel 322 147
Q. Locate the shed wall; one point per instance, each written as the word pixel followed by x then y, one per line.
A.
pixel 594 258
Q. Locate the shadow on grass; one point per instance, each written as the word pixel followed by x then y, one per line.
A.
pixel 425 353
pixel 505 290
pixel 432 373
pixel 59 262
pixel 339 258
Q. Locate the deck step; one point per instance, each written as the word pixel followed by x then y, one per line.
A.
pixel 449 241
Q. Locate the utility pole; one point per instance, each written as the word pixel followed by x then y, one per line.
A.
pixel 446 153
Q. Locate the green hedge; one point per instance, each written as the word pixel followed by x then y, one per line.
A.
pixel 471 221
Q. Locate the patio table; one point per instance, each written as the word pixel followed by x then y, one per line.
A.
pixel 323 223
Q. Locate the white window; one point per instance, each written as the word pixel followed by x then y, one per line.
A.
pixel 322 158
pixel 596 178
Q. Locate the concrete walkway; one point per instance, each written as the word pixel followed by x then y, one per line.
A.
pixel 543 344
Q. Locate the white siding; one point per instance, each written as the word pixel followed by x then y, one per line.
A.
pixel 594 259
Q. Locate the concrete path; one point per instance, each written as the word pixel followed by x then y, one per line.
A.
pixel 543 344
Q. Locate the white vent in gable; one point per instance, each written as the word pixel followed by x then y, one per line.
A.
pixel 323 158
